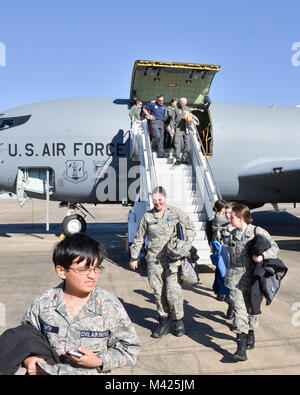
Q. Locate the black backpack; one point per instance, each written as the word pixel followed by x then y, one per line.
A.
pixel 208 230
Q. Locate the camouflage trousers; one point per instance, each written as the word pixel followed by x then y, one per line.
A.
pixel 243 321
pixel 164 280
pixel 177 144
pixel 237 279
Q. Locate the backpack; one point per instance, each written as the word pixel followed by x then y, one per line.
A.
pixel 208 230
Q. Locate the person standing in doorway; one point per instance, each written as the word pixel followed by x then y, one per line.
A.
pixel 156 113
pixel 179 128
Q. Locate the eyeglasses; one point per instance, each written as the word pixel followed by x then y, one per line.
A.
pixel 85 272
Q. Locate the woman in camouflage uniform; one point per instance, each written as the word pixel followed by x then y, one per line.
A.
pixel 222 236
pixel 219 218
pixel 218 221
pixel 238 276
pixel 159 225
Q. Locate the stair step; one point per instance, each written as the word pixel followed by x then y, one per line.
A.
pixel 203 262
pixel 200 234
pixel 184 169
pixel 186 201
pixel 204 255
pixel 197 217
pixel 182 192
pixel 202 245
pixel 175 178
pixel 190 209
pixel 200 226
pixel 177 183
pixel 175 171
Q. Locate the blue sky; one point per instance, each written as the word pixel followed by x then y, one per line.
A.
pixel 73 48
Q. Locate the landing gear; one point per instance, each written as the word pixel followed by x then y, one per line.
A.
pixel 73 222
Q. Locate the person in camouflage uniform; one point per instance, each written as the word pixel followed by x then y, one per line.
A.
pixel 222 235
pixel 219 217
pixel 238 276
pixel 79 316
pixel 179 128
pixel 159 225
pixel 135 111
pixel 224 230
pixel 218 220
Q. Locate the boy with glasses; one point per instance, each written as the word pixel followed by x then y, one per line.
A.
pixel 78 316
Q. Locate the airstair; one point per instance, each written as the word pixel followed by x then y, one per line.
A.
pixel 189 187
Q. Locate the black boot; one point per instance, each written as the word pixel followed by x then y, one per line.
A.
pixel 240 354
pixel 250 340
pixel 230 313
pixel 162 328
pixel 179 327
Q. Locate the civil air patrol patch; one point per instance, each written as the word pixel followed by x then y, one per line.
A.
pixel 94 334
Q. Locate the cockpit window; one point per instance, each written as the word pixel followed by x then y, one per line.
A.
pixel 7 123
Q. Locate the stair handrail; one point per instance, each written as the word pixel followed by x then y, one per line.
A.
pixel 148 177
pixel 149 154
pixel 211 188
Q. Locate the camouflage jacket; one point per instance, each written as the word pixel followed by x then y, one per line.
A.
pixel 159 231
pixel 178 121
pixel 102 325
pixel 135 113
pixel 239 274
pixel 222 235
pixel 238 245
pixel 218 221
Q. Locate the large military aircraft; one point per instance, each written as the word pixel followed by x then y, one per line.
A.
pixel 76 151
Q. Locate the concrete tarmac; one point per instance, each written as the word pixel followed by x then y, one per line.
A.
pixel 27 270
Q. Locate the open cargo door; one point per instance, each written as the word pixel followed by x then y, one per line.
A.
pixel 175 80
pixel 172 80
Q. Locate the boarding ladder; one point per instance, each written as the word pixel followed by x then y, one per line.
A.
pixel 140 150
pixel 189 187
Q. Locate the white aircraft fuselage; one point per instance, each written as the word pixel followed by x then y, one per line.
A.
pixel 255 155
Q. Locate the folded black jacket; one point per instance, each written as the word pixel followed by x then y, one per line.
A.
pixel 258 245
pixel 16 344
pixel 266 275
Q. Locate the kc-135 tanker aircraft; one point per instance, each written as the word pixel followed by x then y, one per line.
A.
pixel 77 151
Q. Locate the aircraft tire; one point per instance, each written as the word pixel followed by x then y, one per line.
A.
pixel 74 223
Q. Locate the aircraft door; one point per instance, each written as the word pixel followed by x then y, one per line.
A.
pixel 34 181
pixel 193 81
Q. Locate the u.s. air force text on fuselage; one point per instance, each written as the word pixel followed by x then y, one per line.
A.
pixel 59 149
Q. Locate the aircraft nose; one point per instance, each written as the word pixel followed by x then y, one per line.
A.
pixel 3 173
pixel 1 154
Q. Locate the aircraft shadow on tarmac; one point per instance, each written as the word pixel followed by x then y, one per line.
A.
pixel 29 229
pixel 56 228
pixel 280 224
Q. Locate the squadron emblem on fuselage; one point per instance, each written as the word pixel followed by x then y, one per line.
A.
pixel 75 172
